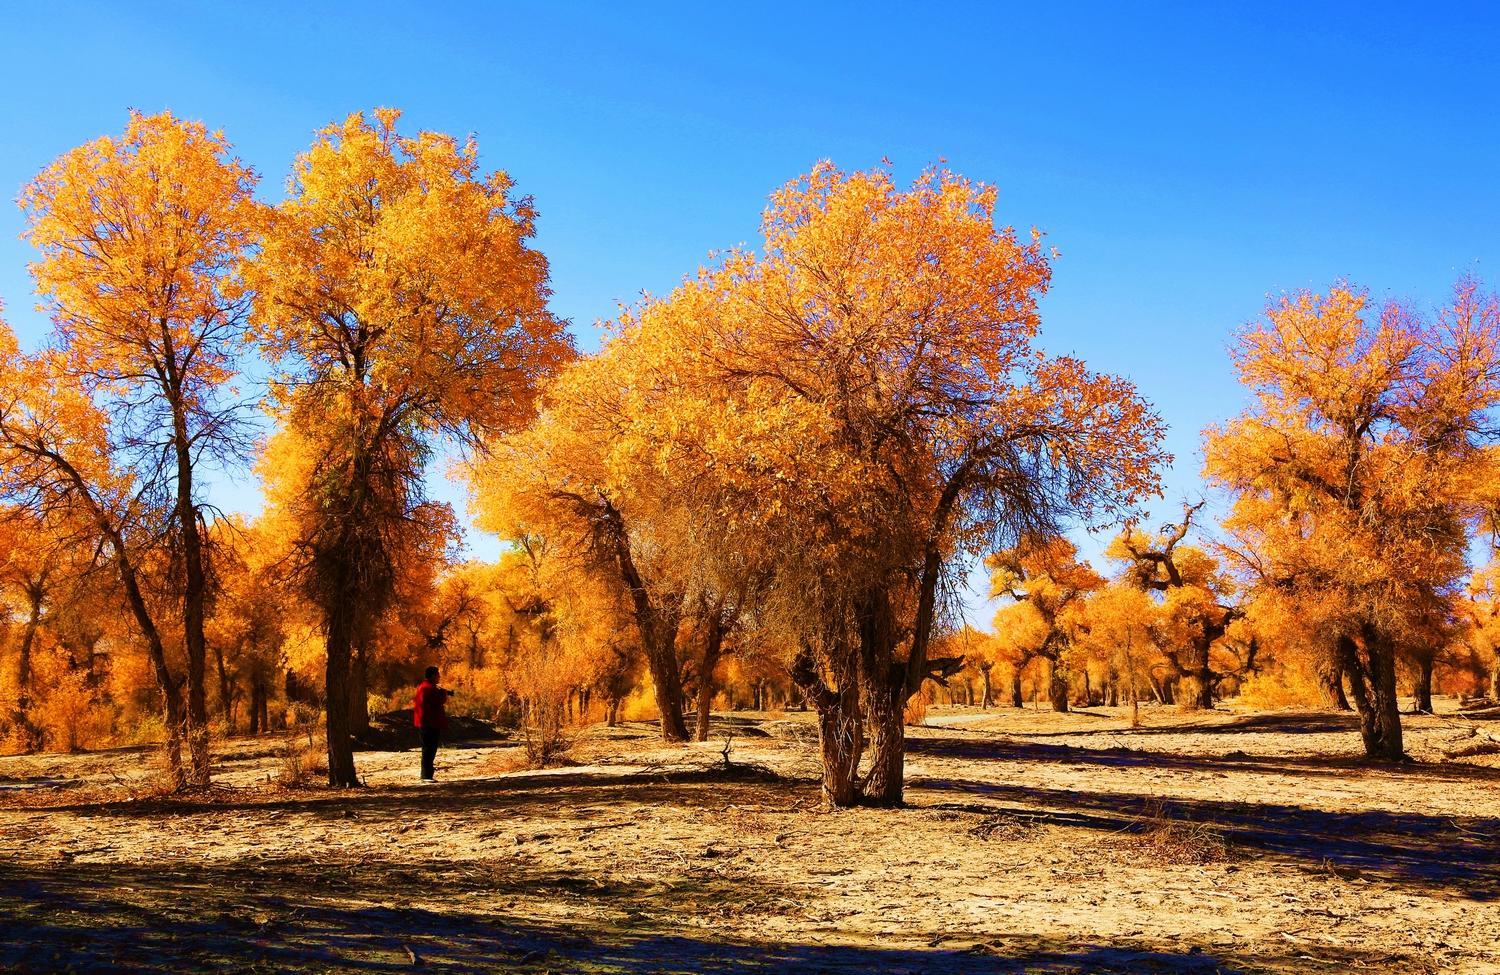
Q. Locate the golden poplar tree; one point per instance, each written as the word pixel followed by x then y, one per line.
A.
pixel 398 293
pixel 139 235
pixel 1358 473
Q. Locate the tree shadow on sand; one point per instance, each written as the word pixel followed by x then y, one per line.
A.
pixel 290 916
pixel 1453 853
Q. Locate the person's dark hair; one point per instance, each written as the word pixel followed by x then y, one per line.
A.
pixel 431 673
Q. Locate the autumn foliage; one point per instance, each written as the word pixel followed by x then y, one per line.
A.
pixel 765 490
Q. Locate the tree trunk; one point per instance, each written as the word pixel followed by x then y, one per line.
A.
pixel 171 694
pixel 884 781
pixel 30 735
pixel 666 677
pixel 1423 689
pixel 657 621
pixel 840 724
pixel 1495 681
pixel 713 646
pixel 1057 686
pixel 226 689
pixel 341 771
pixel 359 690
pixel 1370 664
pixel 195 581
pixel 986 702
pixel 256 717
pixel 1331 680
pixel 1017 700
pixel 1197 681
pixel 886 689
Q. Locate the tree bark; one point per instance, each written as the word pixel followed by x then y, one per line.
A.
pixel 986 702
pixel 195 580
pixel 1057 685
pixel 1331 678
pixel 885 693
pixel 840 724
pixel 340 645
pixel 226 688
pixel 658 621
pixel 713 646
pixel 30 735
pixel 1017 700
pixel 1196 690
pixel 359 689
pixel 1370 663
pixel 1424 683
pixel 660 643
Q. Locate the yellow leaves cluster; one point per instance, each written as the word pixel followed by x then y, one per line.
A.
pixel 396 282
pixel 1361 470
pixel 139 236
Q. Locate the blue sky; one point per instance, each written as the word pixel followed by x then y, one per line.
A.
pixel 1187 160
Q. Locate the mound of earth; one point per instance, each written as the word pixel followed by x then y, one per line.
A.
pixel 393 732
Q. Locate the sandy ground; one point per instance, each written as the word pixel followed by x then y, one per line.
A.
pixel 1231 841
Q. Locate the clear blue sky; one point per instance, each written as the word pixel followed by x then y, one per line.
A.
pixel 1187 161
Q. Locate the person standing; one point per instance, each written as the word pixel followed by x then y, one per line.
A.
pixel 429 714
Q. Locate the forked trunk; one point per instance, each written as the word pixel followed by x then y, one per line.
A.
pixel 666 679
pixel 840 724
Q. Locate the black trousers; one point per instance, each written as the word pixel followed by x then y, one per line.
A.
pixel 430 738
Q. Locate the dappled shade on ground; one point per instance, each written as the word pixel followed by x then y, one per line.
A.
pixel 1030 845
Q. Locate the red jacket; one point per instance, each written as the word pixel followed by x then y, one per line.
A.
pixel 427 708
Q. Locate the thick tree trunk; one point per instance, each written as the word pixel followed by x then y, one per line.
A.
pixel 840 724
pixel 1017 700
pixel 359 690
pixel 884 780
pixel 1057 686
pixel 339 629
pixel 666 677
pixel 1370 664
pixel 1423 690
pixel 1196 691
pixel 1495 682
pixel 256 717
pixel 612 712
pixel 885 692
pixel 986 702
